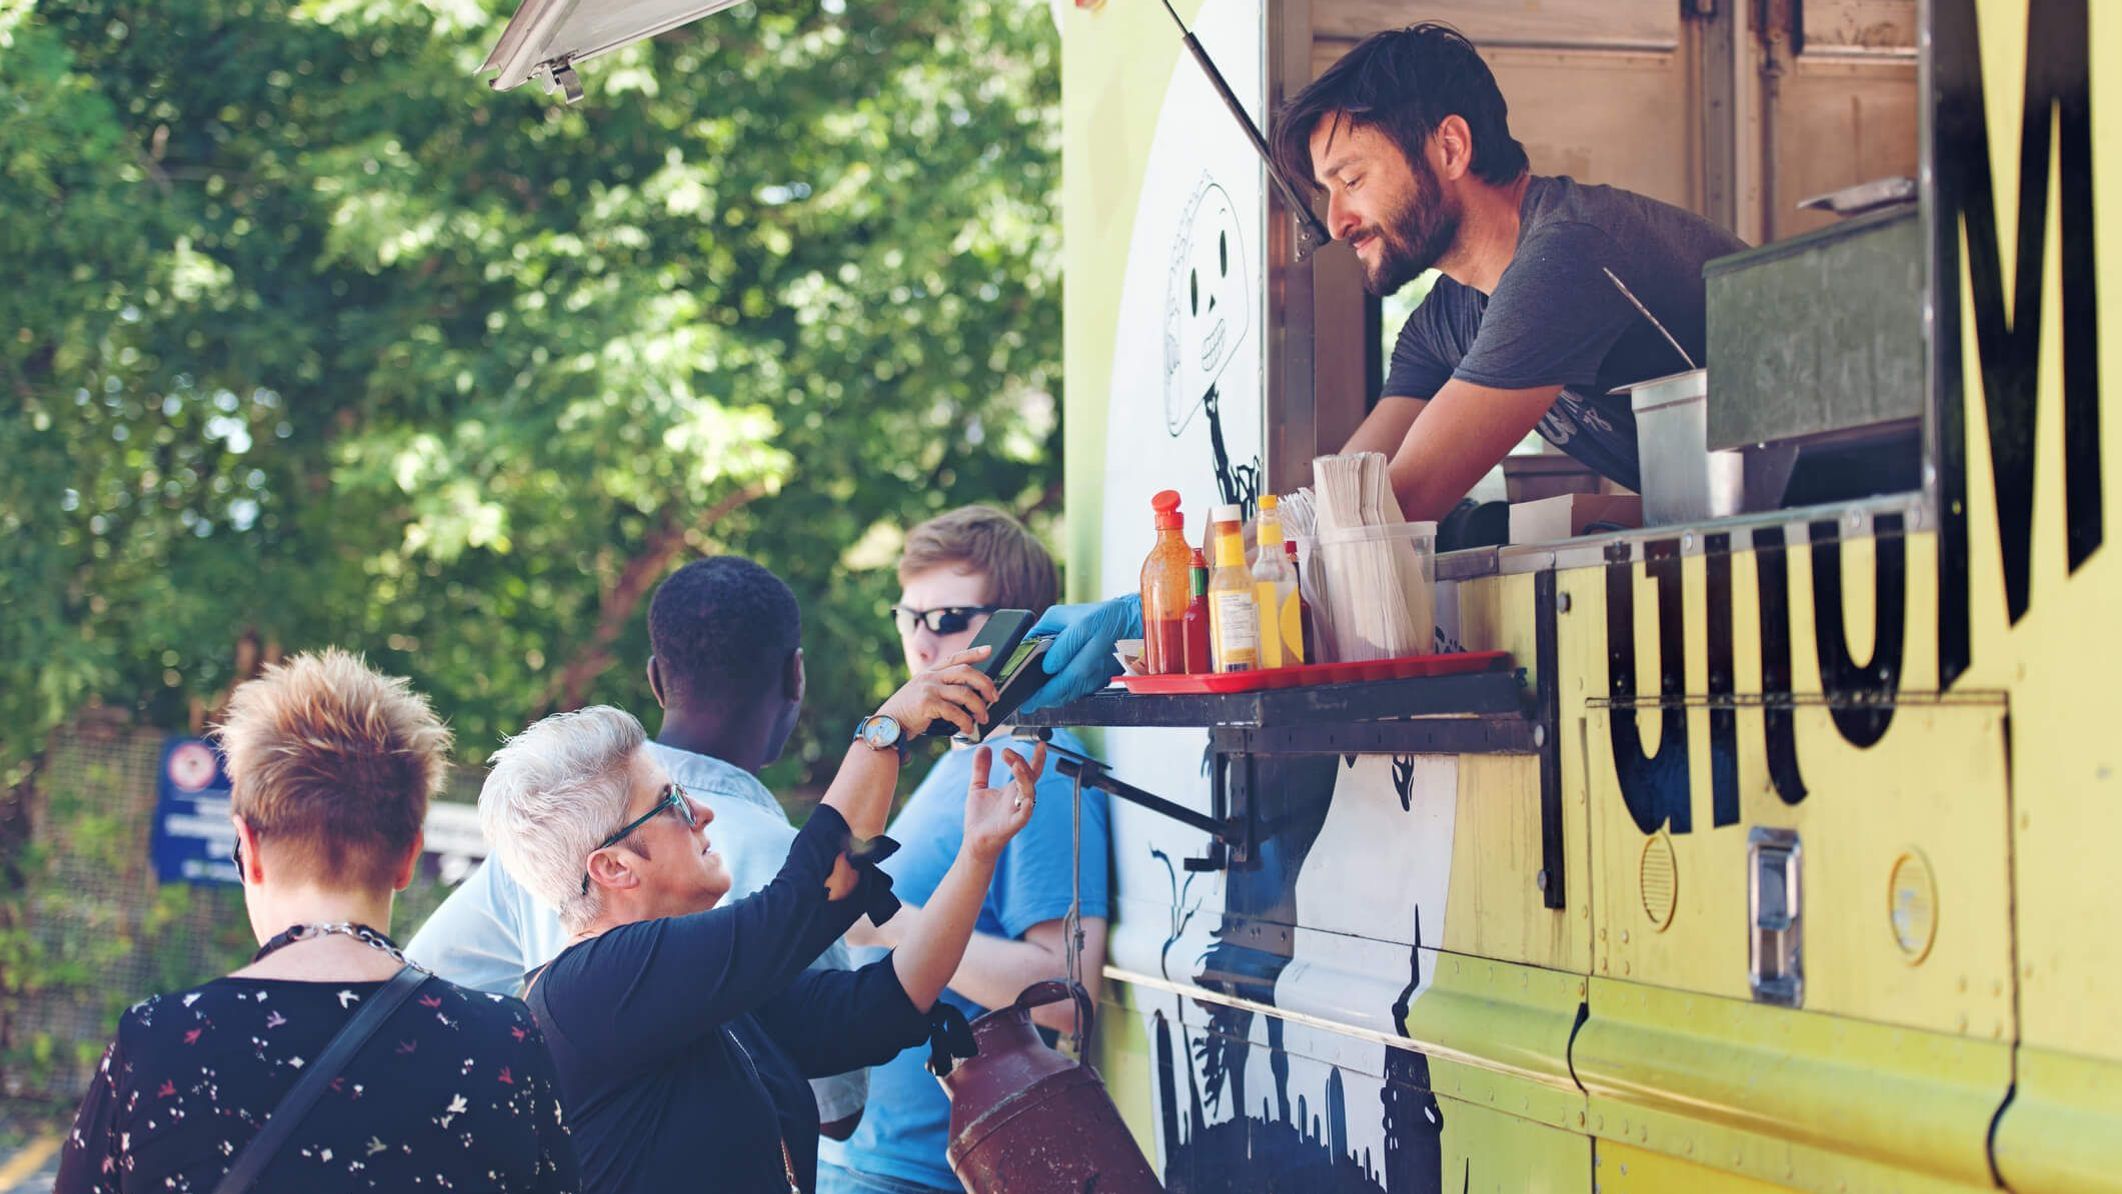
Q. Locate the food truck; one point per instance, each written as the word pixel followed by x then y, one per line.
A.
pixel 1769 855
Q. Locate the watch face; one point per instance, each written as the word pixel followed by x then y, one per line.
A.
pixel 880 731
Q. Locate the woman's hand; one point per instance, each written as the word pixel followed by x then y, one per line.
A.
pixel 994 815
pixel 953 690
pixel 930 949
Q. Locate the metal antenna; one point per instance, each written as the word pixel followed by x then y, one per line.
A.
pixel 1644 311
pixel 1311 230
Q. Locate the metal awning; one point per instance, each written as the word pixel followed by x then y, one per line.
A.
pixel 546 38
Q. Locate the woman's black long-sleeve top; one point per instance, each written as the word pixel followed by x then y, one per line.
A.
pixel 684 1044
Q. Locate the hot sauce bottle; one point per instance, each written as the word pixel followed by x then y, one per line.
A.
pixel 1164 589
pixel 1303 640
pixel 1198 660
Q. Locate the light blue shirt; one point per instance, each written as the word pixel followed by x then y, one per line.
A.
pixel 490 932
pixel 906 1129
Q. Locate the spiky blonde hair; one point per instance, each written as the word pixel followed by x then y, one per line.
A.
pixel 333 764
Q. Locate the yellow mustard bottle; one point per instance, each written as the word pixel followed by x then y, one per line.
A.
pixel 1233 612
pixel 1274 591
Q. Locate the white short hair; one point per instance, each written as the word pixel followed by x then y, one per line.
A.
pixel 554 791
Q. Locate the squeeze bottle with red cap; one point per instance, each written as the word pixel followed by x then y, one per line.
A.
pixel 1165 589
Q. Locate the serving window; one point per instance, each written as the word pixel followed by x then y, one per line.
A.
pixel 1736 111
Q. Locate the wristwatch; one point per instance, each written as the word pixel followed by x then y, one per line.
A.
pixel 881 731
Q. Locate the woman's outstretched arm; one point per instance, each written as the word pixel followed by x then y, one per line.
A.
pixel 929 953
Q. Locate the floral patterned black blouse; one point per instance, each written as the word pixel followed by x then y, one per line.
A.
pixel 454 1092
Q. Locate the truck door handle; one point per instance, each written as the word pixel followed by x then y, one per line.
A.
pixel 1776 928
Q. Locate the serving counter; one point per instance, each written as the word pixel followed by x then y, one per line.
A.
pixel 1493 710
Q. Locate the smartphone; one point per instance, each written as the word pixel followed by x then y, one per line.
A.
pixel 1003 631
pixel 1020 677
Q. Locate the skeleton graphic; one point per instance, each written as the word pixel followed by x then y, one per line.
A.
pixel 1207 309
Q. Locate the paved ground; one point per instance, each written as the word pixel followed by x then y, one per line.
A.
pixel 29 1147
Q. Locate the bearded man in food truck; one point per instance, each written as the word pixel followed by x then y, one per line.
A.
pixel 1408 139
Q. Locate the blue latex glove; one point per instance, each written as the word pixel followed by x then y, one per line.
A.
pixel 1081 659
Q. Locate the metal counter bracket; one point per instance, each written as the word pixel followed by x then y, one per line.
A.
pixel 1230 839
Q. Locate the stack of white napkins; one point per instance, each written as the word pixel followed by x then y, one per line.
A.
pixel 1375 588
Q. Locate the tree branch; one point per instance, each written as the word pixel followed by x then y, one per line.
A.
pixel 569 688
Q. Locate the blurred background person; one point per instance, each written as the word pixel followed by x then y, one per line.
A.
pixel 958 568
pixel 727 668
pixel 683 1026
pixel 333 765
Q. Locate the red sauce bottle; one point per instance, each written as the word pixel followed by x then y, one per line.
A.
pixel 1164 590
pixel 1306 645
pixel 1197 657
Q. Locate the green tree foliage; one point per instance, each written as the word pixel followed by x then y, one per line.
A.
pixel 311 338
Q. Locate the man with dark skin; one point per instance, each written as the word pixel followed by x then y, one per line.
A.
pixel 746 734
pixel 1408 139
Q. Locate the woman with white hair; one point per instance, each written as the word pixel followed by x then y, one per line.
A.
pixel 328 1063
pixel 685 1028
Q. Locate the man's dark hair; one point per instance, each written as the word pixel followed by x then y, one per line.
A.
pixel 1403 83
pixel 722 628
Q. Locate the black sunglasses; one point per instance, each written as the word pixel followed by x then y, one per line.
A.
pixel 946 619
pixel 673 798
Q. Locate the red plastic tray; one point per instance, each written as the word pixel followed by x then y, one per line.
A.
pixel 1406 668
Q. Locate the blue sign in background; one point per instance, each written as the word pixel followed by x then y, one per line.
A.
pixel 192 835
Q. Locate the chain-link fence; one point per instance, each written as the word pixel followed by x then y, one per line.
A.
pixel 94 932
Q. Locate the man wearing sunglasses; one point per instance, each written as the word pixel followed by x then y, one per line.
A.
pixel 944 622
pixel 957 569
pixel 727 669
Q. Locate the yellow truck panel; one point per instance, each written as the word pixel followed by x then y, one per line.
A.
pixel 1809 1101
pixel 2059 1133
pixel 1905 874
pixel 2057 658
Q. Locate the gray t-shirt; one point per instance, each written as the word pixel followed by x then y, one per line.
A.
pixel 1555 319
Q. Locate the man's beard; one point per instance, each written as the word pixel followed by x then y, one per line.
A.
pixel 1413 238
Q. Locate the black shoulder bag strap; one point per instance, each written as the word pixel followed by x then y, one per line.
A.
pixel 251 1162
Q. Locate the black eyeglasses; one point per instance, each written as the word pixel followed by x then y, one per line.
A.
pixel 673 798
pixel 944 619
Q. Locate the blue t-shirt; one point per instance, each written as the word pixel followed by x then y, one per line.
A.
pixel 906 1128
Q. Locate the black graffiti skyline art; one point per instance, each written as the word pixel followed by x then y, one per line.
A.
pixel 1293 1146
